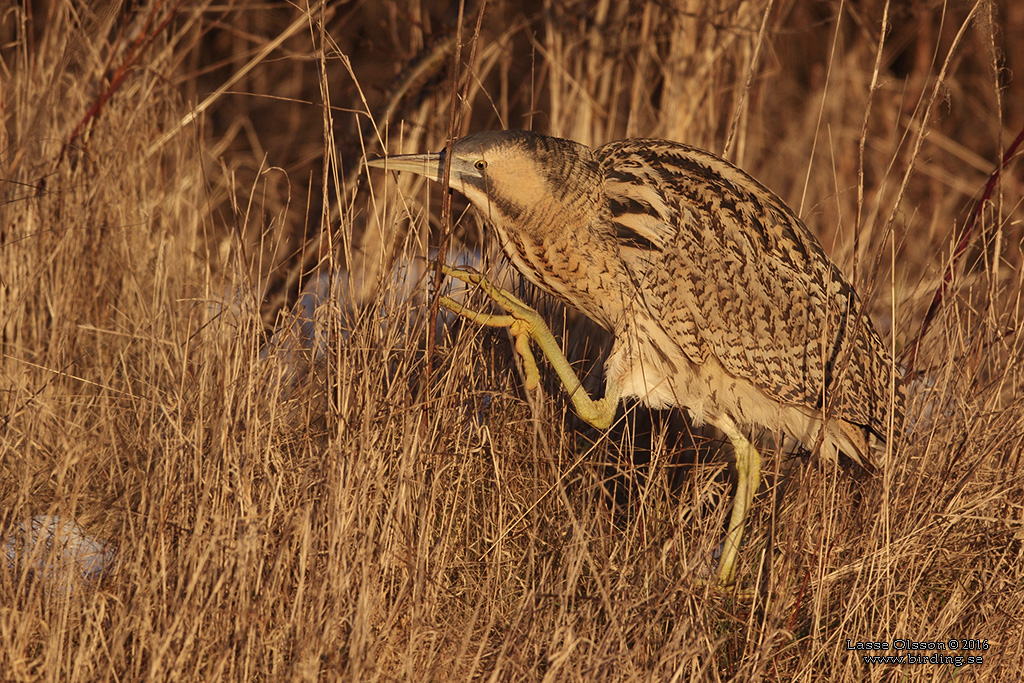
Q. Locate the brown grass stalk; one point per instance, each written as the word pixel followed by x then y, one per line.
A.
pixel 221 379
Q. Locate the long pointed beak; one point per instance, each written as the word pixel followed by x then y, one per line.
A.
pixel 429 165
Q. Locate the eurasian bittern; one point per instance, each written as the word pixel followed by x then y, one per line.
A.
pixel 719 298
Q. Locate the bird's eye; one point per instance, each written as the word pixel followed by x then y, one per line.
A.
pixel 480 164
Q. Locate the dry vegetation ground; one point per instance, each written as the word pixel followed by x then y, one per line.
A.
pixel 396 508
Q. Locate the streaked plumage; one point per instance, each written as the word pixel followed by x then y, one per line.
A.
pixel 719 298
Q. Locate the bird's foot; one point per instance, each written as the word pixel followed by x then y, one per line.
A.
pixel 526 324
pixel 508 301
pixel 521 321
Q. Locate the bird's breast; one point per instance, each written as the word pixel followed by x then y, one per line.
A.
pixel 563 257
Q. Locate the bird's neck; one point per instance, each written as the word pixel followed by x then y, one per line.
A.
pixel 557 250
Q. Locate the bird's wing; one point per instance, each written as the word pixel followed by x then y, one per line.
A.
pixel 731 270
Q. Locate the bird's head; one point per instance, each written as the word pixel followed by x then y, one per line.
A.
pixel 508 175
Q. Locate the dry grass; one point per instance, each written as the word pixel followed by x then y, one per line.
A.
pixel 383 508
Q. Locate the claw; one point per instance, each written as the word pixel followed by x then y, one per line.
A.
pixel 517 325
pixel 478 317
pixel 502 297
pixel 526 325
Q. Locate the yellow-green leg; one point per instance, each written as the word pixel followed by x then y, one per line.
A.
pixel 748 478
pixel 525 324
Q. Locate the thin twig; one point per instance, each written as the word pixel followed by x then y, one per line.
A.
pixel 965 239
pixel 121 73
pixel 454 125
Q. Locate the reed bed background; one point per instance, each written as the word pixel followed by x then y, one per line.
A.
pixel 223 387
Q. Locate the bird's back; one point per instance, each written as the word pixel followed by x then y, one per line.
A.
pixel 727 272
